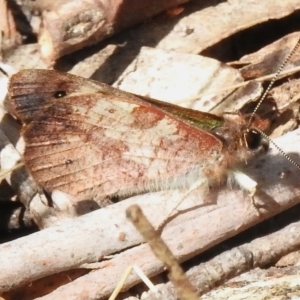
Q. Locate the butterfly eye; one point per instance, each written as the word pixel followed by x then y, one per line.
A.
pixel 60 94
pixel 254 140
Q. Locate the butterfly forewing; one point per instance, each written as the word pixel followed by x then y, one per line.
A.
pixel 30 90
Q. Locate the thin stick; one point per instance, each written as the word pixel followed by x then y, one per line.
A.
pixel 183 286
pixel 120 284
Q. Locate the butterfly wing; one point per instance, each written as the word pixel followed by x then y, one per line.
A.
pixel 32 89
pixel 92 145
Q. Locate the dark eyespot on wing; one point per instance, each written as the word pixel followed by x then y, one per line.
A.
pixel 60 94
pixel 30 90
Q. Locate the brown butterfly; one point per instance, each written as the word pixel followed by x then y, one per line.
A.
pixel 91 141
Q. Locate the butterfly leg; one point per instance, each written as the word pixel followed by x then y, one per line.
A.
pixel 200 183
pixel 246 183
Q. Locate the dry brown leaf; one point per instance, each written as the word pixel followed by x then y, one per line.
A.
pixel 268 59
pixel 286 94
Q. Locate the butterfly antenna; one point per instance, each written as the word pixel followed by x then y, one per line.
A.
pixel 279 149
pixel 273 81
pixel 296 47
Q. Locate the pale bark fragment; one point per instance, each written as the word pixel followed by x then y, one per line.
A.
pixel 260 284
pixel 10 37
pixel 291 259
pixel 208 26
pixel 189 80
pixel 18 58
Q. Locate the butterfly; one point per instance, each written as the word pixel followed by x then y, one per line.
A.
pixel 92 141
